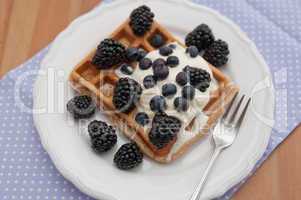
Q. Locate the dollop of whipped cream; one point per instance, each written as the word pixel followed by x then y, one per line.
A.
pixel 196 106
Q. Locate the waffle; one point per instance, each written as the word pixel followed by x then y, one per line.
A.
pixel 87 79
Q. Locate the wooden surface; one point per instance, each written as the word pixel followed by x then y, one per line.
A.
pixel 26 26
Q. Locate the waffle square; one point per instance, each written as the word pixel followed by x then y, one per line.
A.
pixel 87 79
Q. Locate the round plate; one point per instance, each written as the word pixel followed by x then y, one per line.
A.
pixel 67 142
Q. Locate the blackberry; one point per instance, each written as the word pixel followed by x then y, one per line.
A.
pixel 109 53
pixel 128 156
pixel 198 78
pixel 81 107
pixel 201 37
pixel 203 86
pixel 141 20
pixel 103 136
pixel 97 128
pixel 126 94
pixel 164 129
pixel 217 53
pixel 104 143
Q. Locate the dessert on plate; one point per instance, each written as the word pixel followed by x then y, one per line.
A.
pixel 164 95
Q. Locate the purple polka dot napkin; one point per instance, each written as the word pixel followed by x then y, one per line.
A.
pixel 26 171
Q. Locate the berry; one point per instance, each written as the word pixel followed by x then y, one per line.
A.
pixel 173 46
pixel 182 78
pixel 109 53
pixel 81 107
pixel 203 86
pixel 142 118
pixel 157 40
pixel 145 63
pixel 149 81
pixel 141 54
pixel 172 61
pixel 128 156
pixel 158 103
pixel 198 78
pixel 132 54
pixel 126 94
pixel 217 53
pixel 169 89
pixel 188 92
pixel 164 129
pixel 141 20
pixel 104 143
pixel 159 62
pixel 161 72
pixel 201 37
pixel 97 128
pixel 181 104
pixel 126 69
pixel 102 135
pixel 193 51
pixel 165 51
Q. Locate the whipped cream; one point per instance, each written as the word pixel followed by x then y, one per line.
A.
pixel 196 105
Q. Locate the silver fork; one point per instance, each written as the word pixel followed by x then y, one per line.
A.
pixel 224 135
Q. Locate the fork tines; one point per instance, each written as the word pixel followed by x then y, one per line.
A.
pixel 232 121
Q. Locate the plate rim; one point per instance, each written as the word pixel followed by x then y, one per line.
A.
pixel 103 7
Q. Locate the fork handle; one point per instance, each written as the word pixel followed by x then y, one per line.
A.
pixel 198 189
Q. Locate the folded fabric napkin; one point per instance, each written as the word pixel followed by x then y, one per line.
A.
pixel 26 171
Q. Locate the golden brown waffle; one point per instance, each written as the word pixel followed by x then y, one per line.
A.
pixel 86 78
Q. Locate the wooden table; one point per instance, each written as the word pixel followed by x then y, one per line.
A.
pixel 26 26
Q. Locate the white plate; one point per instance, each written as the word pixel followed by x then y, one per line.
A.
pixel 68 145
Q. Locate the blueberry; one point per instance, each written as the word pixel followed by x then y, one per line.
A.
pixel 173 46
pixel 141 54
pixel 159 62
pixel 165 51
pixel 132 54
pixel 172 61
pixel 181 104
pixel 161 72
pixel 158 103
pixel 157 41
pixel 182 78
pixel 149 81
pixel 193 51
pixel 188 92
pixel 145 63
pixel 169 89
pixel 126 69
pixel 142 118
